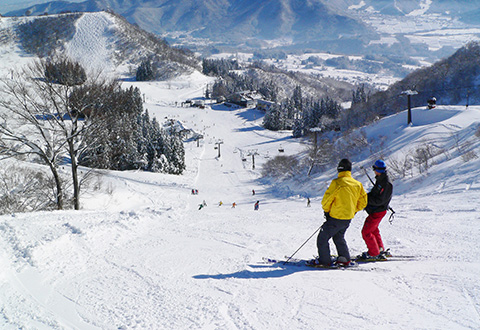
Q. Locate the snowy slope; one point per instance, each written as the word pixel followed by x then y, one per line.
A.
pixel 145 257
pixel 140 255
pixel 95 56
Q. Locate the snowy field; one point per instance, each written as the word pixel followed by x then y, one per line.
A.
pixel 141 255
pixel 144 257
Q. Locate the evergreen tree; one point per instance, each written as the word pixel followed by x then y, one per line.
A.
pixel 298 128
pixel 176 154
pixel 274 119
pixel 65 71
pixel 145 71
pixel 359 95
pixel 297 98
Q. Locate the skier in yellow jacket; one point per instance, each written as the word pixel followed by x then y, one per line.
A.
pixel 344 197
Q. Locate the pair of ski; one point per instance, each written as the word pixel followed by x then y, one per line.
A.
pixel 306 263
pixel 353 264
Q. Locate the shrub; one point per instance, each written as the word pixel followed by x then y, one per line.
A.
pixel 23 190
pixel 280 166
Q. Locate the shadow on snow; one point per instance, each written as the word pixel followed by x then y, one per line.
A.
pixel 265 271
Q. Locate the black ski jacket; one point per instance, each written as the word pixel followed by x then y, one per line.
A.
pixel 380 195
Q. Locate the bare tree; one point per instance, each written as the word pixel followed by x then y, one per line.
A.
pixel 423 154
pixel 25 127
pixel 41 120
pixel 401 165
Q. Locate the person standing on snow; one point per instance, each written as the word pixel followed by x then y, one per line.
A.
pixel 256 206
pixel 378 202
pixel 344 197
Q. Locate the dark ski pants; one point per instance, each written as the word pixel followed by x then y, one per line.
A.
pixel 332 228
pixel 371 234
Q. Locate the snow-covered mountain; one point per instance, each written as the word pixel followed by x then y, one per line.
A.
pixel 222 20
pixel 426 28
pixel 141 255
pixel 100 41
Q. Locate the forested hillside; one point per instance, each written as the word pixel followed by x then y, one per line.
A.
pixel 453 80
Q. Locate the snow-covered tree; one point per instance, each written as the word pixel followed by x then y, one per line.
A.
pixel 359 95
pixel 117 112
pixel 274 119
pixel 64 71
pixel 145 71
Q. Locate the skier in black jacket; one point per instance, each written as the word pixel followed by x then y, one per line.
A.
pixel 378 202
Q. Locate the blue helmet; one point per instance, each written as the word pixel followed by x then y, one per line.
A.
pixel 380 166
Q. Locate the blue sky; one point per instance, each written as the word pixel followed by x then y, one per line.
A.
pixel 9 5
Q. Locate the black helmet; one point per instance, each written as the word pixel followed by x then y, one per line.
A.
pixel 344 165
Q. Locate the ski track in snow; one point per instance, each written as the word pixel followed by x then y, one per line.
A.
pixel 149 259
pixel 90 44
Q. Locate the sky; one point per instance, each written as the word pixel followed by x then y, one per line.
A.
pixel 10 5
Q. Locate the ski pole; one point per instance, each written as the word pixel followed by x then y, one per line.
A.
pixel 368 176
pixel 302 245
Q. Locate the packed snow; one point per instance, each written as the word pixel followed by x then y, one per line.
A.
pixel 95 56
pixel 141 255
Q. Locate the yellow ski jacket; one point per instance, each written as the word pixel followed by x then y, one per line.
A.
pixel 344 197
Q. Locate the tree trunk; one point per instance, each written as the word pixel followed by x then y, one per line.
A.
pixel 76 183
pixel 58 183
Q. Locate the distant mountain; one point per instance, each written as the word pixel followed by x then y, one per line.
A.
pixel 404 28
pixel 454 8
pixel 232 22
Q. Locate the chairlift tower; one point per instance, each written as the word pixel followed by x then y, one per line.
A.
pixel 409 93
pixel 253 153
pixel 315 131
pixel 218 143
pixel 197 138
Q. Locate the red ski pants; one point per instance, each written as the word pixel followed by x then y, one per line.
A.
pixel 371 234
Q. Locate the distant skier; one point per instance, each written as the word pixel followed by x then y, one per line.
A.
pixel 256 206
pixel 220 203
pixel 432 102
pixel 253 192
pixel 233 205
pixel 378 202
pixel 344 197
pixel 308 202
